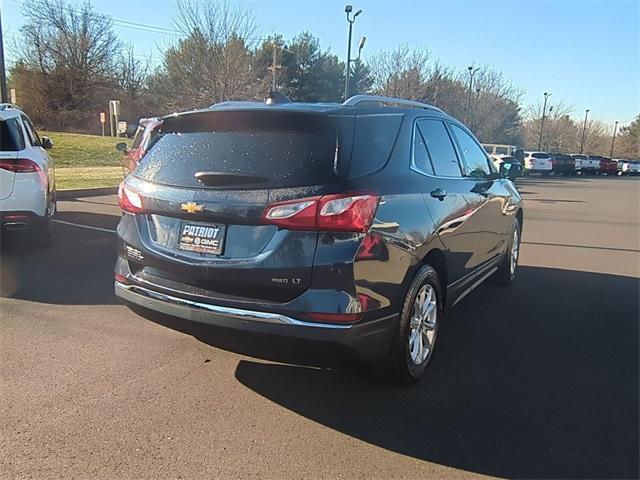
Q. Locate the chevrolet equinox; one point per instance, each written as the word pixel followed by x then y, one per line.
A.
pixel 358 223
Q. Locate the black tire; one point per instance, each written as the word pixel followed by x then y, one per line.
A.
pixel 505 275
pixel 398 366
pixel 42 236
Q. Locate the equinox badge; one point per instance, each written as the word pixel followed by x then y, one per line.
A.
pixel 191 207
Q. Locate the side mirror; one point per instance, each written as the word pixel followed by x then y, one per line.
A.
pixel 510 170
pixel 122 147
pixel 47 143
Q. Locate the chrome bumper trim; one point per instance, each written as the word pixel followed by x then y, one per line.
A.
pixel 130 292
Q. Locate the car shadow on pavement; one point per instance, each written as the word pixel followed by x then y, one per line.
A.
pixel 536 381
pixel 77 269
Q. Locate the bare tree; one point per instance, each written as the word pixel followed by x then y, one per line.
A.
pixel 131 72
pixel 67 57
pixel 402 72
pixel 214 61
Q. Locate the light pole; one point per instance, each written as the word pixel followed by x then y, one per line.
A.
pixel 351 20
pixel 471 74
pixel 613 140
pixel 544 112
pixel 584 130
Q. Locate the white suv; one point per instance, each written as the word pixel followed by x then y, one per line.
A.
pixel 537 162
pixel 27 183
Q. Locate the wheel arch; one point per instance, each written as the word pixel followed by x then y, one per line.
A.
pixel 436 258
pixel 520 217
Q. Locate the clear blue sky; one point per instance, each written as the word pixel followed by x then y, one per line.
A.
pixel 584 52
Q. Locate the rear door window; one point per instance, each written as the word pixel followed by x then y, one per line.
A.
pixel 474 157
pixel 285 149
pixel 440 147
pixel 32 134
pixel 421 158
pixel 11 138
pixel 137 138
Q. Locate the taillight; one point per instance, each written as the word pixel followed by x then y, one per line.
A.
pixel 130 201
pixel 24 165
pixel 350 212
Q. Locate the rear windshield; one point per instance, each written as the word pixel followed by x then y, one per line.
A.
pixel 540 155
pixel 284 148
pixel 579 157
pixel 11 139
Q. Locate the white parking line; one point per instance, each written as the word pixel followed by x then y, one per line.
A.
pixel 88 227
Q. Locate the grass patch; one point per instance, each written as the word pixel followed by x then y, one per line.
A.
pixel 76 150
pixel 87 177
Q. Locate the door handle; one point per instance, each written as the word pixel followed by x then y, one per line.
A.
pixel 439 193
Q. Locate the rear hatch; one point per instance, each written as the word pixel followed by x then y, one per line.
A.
pixel 205 186
pixel 560 160
pixel 7 174
pixel 540 161
pixel 11 141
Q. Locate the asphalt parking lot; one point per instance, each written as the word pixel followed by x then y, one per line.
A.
pixel 540 380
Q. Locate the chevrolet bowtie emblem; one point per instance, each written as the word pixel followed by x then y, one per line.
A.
pixel 191 207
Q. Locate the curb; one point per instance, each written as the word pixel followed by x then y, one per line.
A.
pixel 86 192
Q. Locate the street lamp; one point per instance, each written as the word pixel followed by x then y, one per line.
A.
pixel 472 72
pixel 350 19
pixel 613 140
pixel 584 130
pixel 544 112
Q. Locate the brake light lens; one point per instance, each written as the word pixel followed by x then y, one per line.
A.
pixel 24 165
pixel 351 212
pixel 130 201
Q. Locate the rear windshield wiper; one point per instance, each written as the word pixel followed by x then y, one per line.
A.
pixel 221 179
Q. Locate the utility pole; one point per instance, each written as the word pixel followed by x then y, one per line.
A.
pixel 584 130
pixel 3 76
pixel 471 74
pixel 274 68
pixel 613 140
pixel 544 112
pixel 348 9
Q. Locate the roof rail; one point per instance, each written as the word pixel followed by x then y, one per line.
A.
pixel 4 106
pixel 359 99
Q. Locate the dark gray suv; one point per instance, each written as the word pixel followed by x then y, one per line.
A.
pixel 357 223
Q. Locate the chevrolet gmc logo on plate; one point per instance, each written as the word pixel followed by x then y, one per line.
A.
pixel 191 207
pixel 202 238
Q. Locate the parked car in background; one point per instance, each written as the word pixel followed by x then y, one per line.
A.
pixel 586 165
pixel 27 181
pixel 608 166
pixel 578 158
pixel 499 149
pixel 537 162
pixel 505 163
pixel 628 167
pixel 355 224
pixel 143 138
pixel 563 164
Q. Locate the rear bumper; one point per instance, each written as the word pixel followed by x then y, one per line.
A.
pixel 20 220
pixel 368 339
